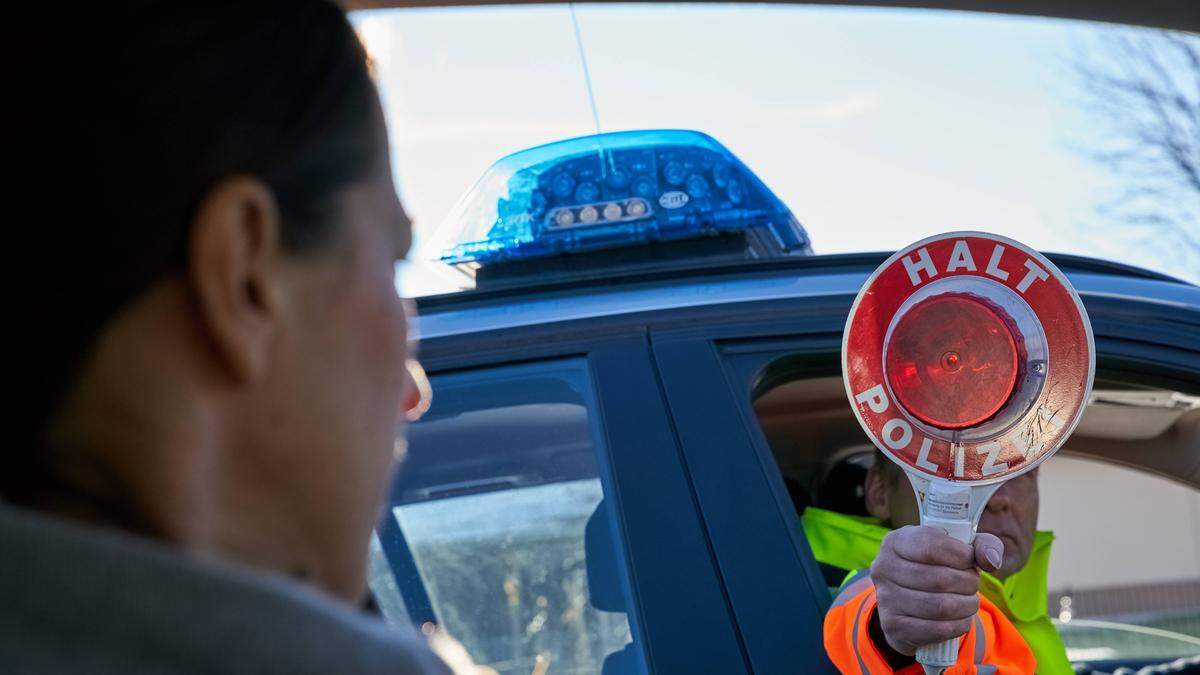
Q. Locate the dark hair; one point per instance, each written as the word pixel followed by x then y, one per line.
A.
pixel 121 117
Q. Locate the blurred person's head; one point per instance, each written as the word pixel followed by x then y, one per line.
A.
pixel 211 347
pixel 1011 514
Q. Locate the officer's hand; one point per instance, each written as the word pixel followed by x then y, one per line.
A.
pixel 927 585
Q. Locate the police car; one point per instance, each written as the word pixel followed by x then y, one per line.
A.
pixel 644 389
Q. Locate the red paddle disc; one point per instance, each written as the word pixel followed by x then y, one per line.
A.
pixel 969 357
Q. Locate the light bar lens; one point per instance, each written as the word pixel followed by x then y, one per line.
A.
pixel 608 191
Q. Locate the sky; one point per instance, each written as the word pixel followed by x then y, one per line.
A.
pixel 876 127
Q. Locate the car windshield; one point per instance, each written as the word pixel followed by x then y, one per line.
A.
pixel 877 127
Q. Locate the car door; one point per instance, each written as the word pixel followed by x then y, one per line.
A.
pixel 775 587
pixel 543 516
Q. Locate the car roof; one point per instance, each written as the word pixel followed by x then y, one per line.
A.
pixel 542 300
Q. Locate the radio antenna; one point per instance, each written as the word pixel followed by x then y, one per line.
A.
pixel 587 75
pixel 587 81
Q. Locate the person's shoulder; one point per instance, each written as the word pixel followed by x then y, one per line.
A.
pixel 82 599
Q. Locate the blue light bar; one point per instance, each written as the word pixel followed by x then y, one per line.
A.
pixel 610 191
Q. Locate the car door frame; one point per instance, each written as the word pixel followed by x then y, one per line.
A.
pixel 776 588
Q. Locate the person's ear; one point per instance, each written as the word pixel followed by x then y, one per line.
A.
pixel 233 270
pixel 875 493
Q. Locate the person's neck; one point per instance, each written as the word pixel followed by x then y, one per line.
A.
pixel 108 464
pixel 78 487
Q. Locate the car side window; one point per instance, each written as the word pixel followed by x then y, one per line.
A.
pixel 1122 576
pixel 499 529
pixel 1125 578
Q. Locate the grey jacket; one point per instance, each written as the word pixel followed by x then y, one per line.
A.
pixel 77 599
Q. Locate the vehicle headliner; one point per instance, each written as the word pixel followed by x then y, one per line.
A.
pixel 1173 14
pixel 809 425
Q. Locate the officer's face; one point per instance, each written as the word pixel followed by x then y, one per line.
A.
pixel 1011 514
pixel 890 496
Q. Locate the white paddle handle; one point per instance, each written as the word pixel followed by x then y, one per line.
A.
pixel 941 655
pixel 938 657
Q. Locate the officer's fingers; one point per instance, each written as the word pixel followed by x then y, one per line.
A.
pixel 892 634
pixel 893 570
pixel 905 648
pixel 989 552
pixel 923 605
pixel 904 632
pixel 930 545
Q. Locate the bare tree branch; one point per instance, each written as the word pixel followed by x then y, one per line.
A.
pixel 1143 87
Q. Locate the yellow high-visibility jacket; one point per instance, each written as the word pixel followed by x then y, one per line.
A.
pixel 852 542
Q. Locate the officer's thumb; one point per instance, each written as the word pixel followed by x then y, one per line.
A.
pixel 989 552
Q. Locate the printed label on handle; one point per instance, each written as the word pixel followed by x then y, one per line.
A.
pixel 948 505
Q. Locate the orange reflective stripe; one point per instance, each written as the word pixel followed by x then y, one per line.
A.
pixel 1005 651
pixel 854 640
pixel 852 588
pixel 846 638
pixel 980 640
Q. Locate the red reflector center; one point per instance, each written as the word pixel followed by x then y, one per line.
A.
pixel 952 361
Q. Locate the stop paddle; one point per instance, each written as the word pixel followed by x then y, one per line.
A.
pixel 968 359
